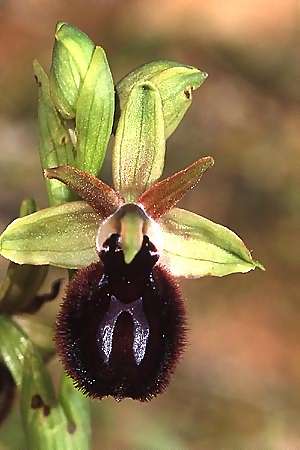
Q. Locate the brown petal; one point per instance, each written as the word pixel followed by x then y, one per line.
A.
pixel 162 196
pixel 101 197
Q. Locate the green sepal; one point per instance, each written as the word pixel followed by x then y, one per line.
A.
pixel 94 114
pixel 175 83
pixel 76 407
pixel 72 54
pixel 195 247
pixel 63 236
pixel 55 146
pixel 21 283
pixel 139 149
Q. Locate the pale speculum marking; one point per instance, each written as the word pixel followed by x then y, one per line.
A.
pixel 141 328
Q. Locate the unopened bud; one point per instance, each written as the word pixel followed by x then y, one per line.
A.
pixel 175 83
pixel 72 54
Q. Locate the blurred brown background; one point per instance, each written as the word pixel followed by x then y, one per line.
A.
pixel 238 384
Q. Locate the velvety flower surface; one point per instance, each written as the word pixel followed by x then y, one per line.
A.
pixel 120 329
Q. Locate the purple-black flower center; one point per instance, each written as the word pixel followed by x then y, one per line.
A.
pixel 126 278
pixel 121 326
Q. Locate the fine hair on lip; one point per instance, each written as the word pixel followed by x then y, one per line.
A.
pixel 121 327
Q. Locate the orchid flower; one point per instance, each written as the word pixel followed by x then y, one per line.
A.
pixel 121 327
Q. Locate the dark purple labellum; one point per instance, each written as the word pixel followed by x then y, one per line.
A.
pixel 121 327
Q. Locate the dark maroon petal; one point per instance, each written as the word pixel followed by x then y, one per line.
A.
pixel 101 197
pixel 120 332
pixel 165 194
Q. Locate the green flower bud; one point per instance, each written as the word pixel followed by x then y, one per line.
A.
pixel 94 114
pixel 72 54
pixel 82 88
pixel 55 146
pixel 139 150
pixel 175 83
